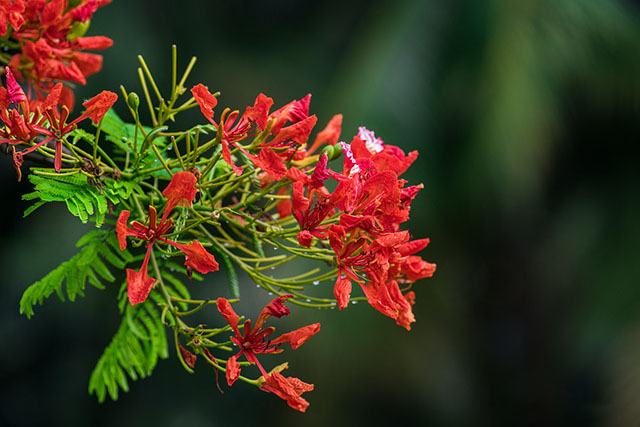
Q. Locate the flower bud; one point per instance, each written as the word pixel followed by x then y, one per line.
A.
pixel 134 101
pixel 329 150
pixel 337 152
pixel 78 29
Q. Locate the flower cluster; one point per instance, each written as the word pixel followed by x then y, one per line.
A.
pixel 247 182
pixel 180 192
pixel 40 122
pixel 48 40
pixel 370 200
pixel 254 341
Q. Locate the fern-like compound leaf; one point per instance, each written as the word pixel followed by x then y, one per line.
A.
pixel 99 248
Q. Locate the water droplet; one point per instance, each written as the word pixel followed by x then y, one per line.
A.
pixel 333 303
pixel 257 286
pixel 354 302
pixel 332 308
pixel 172 269
pixel 316 282
pixel 308 300
pixel 275 248
pixel 226 243
pixel 273 268
pixel 270 293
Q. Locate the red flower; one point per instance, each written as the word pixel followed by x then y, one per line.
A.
pixel 46 120
pixel 289 389
pixel 253 341
pixel 180 192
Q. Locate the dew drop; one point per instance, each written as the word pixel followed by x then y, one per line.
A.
pixel 270 293
pixel 354 302
pixel 172 269
pixel 308 300
pixel 273 268
pixel 275 248
pixel 257 286
pixel 316 282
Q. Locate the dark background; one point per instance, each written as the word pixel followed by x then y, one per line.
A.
pixel 526 116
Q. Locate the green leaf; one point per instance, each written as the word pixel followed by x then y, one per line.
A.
pixel 88 264
pixel 134 352
pixel 82 199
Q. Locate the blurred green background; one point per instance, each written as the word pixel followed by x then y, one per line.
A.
pixel 527 118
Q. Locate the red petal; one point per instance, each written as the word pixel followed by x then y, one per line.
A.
pixel 330 134
pixel 139 283
pixel 93 42
pixel 98 106
pixel 299 336
pixel 205 100
pixel 288 389
pixel 320 173
pixel 197 257
pixel 274 308
pixel 230 316
pixel 305 238
pixel 271 163
pixel 259 113
pixel 299 202
pixel 226 155
pixel 342 291
pixel 298 132
pixel 233 370
pixel 180 192
pixel 16 94
pixel 188 357
pixel 52 12
pixel 122 229
pixel 87 63
pixel 416 268
pixel 52 99
pixel 412 247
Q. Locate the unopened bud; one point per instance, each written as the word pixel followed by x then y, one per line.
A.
pixel 337 152
pixel 78 29
pixel 133 100
pixel 329 150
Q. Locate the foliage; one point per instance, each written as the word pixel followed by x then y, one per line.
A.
pixel 89 265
